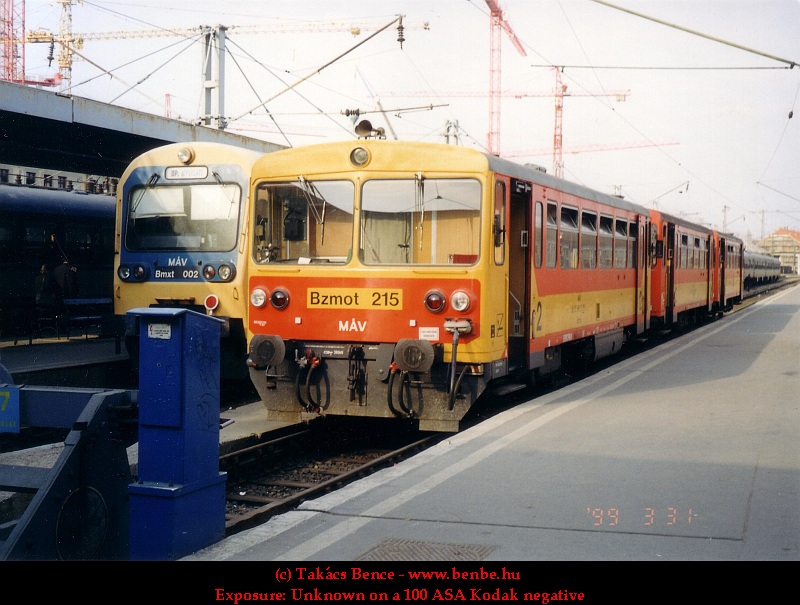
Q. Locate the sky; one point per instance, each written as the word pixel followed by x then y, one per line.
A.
pixel 682 105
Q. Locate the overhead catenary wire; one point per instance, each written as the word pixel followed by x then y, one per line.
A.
pixel 707 64
pixel 783 133
pixel 664 67
pixel 110 72
pixel 318 70
pixel 148 75
pixel 277 77
pixel 790 65
pixel 255 92
pixel 700 34
pixel 777 191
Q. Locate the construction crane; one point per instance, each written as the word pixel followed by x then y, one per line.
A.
pixel 497 22
pixel 591 148
pixel 14 16
pixel 69 41
pixel 558 155
pixel 559 93
pixel 12 36
pixel 13 23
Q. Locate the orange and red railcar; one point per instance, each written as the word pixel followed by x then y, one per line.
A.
pixel 404 279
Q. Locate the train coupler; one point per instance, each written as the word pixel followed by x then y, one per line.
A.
pixel 405 381
pixel 356 376
pixel 303 387
pixel 456 327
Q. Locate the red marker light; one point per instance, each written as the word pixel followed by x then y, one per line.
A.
pixel 211 302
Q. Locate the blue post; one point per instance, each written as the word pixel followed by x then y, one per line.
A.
pixel 177 506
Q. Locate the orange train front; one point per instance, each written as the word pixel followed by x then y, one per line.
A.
pixel 369 268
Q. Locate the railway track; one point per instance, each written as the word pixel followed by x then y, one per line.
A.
pixel 278 475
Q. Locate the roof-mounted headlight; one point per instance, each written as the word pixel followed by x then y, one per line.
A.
pixel 359 157
pixel 186 155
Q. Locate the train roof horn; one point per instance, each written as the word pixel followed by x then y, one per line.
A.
pixel 365 130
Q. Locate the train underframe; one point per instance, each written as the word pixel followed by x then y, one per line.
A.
pixel 693 316
pixel 363 380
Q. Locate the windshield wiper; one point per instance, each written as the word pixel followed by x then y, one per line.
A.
pixel 150 183
pixel 420 202
pixel 308 188
pixel 218 178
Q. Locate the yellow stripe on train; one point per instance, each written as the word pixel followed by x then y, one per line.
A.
pixel 355 298
pixel 563 312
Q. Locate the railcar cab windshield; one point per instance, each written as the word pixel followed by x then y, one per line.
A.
pixel 411 221
pixel 201 216
pixel 420 221
pixel 303 221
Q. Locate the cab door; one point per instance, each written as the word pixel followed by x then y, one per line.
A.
pixel 671 263
pixel 723 261
pixel 644 251
pixel 518 274
pixel 709 267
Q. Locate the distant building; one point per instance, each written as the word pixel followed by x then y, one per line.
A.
pixel 785 244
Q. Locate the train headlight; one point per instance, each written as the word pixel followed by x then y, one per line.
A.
pixel 435 301
pixel 134 273
pixel 221 273
pixel 279 299
pixel 258 298
pixel 359 157
pixel 186 155
pixel 460 301
pixel 225 272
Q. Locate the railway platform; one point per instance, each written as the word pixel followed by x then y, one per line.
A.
pixel 86 360
pixel 41 354
pixel 97 362
pixel 688 452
